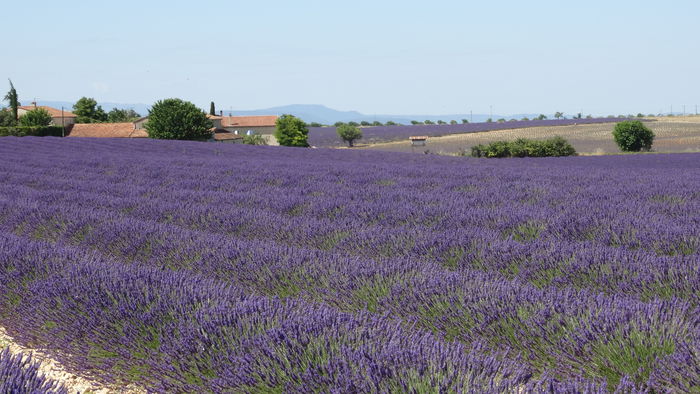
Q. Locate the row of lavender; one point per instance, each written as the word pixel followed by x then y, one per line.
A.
pixel 20 374
pixel 549 260
pixel 327 137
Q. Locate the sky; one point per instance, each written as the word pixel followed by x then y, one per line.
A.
pixel 376 57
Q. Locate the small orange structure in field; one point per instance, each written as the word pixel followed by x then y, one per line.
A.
pixel 418 140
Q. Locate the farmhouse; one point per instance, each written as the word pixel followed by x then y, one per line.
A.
pixel 262 125
pixel 58 117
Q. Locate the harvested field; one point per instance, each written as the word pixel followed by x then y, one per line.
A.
pixel 672 135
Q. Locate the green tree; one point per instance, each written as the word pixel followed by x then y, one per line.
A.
pixel 337 124
pixel 315 124
pixel 633 136
pixel 353 124
pixel 6 118
pixel 349 133
pixel 88 111
pixel 365 123
pixel 117 115
pixel 35 117
pixel 441 122
pixel 175 119
pixel 465 121
pixel 489 120
pixel 525 119
pixel 291 131
pixel 377 123
pixel 415 122
pixel 453 122
pixel 541 117
pixel 13 100
pixel 428 122
pixel 558 115
pixel 212 109
pixel 390 123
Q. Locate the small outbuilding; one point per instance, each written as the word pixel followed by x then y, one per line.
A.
pixel 418 140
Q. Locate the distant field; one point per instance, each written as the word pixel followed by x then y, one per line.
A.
pixel 672 135
pixel 326 137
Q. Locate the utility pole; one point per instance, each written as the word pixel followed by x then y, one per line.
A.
pixel 471 115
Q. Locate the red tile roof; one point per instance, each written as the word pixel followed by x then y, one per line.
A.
pixel 226 136
pixel 106 130
pixel 55 113
pixel 249 121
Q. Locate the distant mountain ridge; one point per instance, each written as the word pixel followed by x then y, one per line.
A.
pixel 311 113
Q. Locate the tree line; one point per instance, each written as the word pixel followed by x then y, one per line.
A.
pixel 86 110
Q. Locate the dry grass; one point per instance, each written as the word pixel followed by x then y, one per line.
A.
pixel 674 134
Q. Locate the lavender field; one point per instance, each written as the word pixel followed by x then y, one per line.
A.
pixel 327 137
pixel 184 266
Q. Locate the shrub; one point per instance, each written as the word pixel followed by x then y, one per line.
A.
pixel 522 147
pixel 349 134
pixel 175 119
pixel 291 131
pixel 35 131
pixel 557 146
pixel 35 117
pixel 633 136
pixel 255 139
pixel 6 118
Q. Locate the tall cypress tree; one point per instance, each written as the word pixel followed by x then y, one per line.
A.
pixel 212 109
pixel 12 98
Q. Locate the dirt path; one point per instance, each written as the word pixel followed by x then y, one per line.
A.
pixel 54 370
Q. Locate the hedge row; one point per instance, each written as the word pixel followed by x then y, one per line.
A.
pixel 522 147
pixel 36 131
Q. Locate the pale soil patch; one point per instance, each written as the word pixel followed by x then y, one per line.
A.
pixel 671 136
pixel 677 119
pixel 54 370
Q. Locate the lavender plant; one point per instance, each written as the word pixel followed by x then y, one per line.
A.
pixel 20 374
pixel 186 266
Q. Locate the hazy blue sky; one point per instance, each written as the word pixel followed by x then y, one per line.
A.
pixel 397 57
